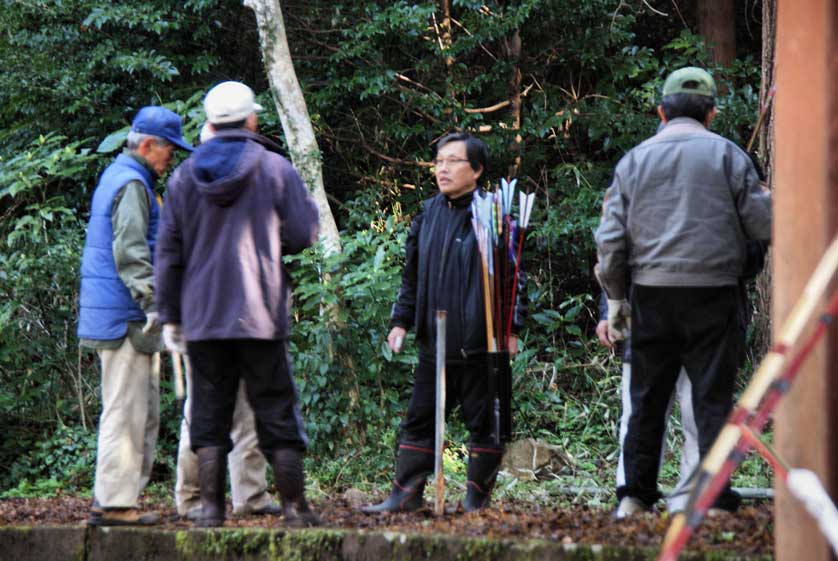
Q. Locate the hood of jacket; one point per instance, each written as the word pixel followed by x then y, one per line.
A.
pixel 222 167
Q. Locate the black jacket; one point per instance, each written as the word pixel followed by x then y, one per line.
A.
pixel 442 271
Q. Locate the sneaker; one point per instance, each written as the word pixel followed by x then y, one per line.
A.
pixel 629 506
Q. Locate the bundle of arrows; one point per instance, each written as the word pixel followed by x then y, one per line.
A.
pixel 500 238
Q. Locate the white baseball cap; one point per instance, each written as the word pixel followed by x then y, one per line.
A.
pixel 229 102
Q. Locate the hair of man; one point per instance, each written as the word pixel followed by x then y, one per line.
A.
pixel 229 126
pixel 476 150
pixel 136 138
pixel 693 106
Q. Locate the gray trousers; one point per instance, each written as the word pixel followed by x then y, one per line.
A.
pixel 690 457
pixel 245 461
pixel 128 425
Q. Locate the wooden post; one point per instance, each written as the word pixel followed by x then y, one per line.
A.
pixel 805 220
pixel 439 424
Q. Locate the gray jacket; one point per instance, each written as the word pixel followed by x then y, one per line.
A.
pixel 679 210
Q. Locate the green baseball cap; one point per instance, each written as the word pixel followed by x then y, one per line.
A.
pixel 690 80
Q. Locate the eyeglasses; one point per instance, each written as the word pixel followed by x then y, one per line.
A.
pixel 449 162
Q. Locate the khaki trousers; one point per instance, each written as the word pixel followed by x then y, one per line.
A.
pixel 245 461
pixel 128 425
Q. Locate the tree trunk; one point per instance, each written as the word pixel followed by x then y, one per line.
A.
pixel 766 135
pixel 717 24
pixel 512 49
pixel 762 318
pixel 293 113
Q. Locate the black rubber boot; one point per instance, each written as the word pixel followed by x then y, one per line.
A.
pixel 727 501
pixel 212 476
pixel 413 466
pixel 288 472
pixel 483 464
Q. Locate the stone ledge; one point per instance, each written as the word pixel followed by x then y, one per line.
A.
pixel 80 543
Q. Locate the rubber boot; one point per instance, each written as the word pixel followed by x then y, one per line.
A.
pixel 728 501
pixel 288 472
pixel 413 466
pixel 212 476
pixel 483 464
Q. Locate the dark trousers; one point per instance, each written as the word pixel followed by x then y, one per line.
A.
pixel 672 326
pixel 466 384
pixel 263 365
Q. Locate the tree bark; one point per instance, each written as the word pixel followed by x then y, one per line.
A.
pixel 762 317
pixel 766 135
pixel 293 113
pixel 512 49
pixel 717 24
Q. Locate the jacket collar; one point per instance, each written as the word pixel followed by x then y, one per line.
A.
pixel 244 134
pixel 461 201
pixel 684 124
pixel 131 158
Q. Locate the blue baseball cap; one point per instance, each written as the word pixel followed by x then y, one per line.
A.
pixel 162 122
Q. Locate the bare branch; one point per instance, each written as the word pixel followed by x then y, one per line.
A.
pixel 399 161
pixel 497 106
pixel 645 3
pixel 680 15
pixel 404 78
pixel 485 50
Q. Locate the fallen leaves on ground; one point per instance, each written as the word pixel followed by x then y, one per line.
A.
pixel 749 531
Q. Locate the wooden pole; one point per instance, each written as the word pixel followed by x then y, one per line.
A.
pixel 439 424
pixel 179 388
pixel 805 220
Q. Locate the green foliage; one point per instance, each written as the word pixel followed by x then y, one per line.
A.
pixel 63 463
pixel 352 388
pixel 43 379
pixel 85 67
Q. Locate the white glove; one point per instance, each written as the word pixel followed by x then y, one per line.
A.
pixel 173 338
pixel 619 320
pixel 152 324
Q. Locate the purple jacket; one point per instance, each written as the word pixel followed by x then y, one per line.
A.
pixel 233 209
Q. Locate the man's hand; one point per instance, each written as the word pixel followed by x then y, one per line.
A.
pixel 152 324
pixel 396 338
pixel 173 338
pixel 602 334
pixel 619 320
pixel 512 345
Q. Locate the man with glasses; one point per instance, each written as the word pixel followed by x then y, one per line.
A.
pixel 442 272
pixel 117 315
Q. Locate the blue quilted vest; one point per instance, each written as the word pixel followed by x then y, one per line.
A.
pixel 105 304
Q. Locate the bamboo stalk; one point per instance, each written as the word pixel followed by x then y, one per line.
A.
pixel 487 304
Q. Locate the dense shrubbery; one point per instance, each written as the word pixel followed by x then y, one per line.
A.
pixel 380 93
